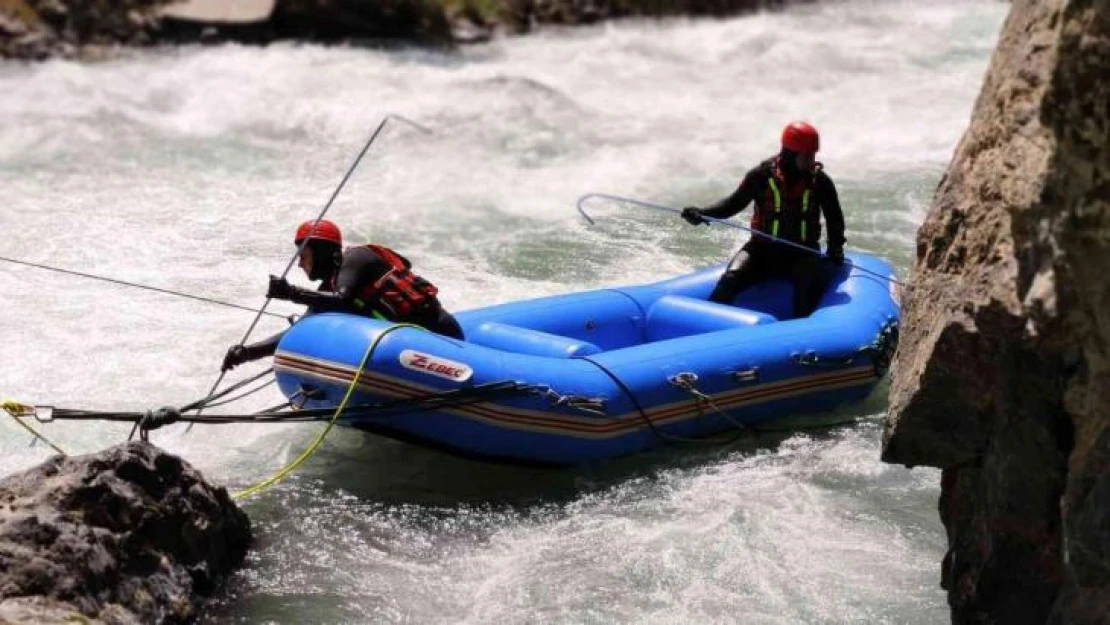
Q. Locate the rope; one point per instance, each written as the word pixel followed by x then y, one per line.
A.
pixel 154 419
pixel 660 434
pixel 724 222
pixel 198 298
pixel 311 449
pixel 240 396
pixel 207 401
pixel 685 381
pixel 18 411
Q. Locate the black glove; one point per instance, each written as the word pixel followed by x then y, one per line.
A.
pixel 236 355
pixel 279 288
pixel 693 215
pixel 835 254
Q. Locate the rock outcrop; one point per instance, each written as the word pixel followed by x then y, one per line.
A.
pixel 40 29
pixel 1002 377
pixel 129 535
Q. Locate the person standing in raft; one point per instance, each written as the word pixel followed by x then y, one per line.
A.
pixel 791 192
pixel 370 280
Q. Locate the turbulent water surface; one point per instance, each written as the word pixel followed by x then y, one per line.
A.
pixel 187 169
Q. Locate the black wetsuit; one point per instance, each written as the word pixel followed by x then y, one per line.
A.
pixel 761 258
pixel 359 268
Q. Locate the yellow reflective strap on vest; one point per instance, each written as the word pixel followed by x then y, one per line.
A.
pixel 805 207
pixel 778 206
pixel 775 190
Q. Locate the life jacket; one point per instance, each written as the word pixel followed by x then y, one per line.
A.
pixel 399 293
pixel 788 211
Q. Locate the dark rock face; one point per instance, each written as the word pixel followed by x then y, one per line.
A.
pixel 343 20
pixel 131 534
pixel 1002 377
pixel 40 29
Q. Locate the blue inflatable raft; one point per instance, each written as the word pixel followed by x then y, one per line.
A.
pixel 594 375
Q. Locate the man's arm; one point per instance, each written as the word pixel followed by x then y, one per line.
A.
pixel 265 347
pixel 318 301
pixel 743 195
pixel 238 354
pixel 360 267
pixel 830 208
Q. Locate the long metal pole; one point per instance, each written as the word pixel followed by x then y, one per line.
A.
pixel 724 222
pixel 327 207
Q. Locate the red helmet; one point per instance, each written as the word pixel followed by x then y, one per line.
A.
pixel 322 230
pixel 800 137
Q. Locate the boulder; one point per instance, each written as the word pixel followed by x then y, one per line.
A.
pixel 41 29
pixel 1002 376
pixel 128 535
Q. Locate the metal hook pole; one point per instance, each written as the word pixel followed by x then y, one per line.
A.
pixel 725 222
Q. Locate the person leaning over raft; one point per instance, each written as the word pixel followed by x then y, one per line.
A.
pixel 370 280
pixel 791 192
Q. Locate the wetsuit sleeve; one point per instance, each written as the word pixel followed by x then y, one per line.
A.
pixel 263 348
pixel 830 208
pixel 360 267
pixel 320 301
pixel 748 190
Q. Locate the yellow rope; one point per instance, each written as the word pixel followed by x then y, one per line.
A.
pixel 18 411
pixel 289 468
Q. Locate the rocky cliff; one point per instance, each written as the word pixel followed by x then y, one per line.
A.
pixel 129 535
pixel 1002 377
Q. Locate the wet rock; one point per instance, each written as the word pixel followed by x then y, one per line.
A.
pixel 129 535
pixel 61 28
pixel 1002 376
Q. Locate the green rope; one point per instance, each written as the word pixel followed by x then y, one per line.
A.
pixel 311 449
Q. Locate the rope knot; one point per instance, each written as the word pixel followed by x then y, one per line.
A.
pixel 17 409
pixel 154 419
pixel 685 381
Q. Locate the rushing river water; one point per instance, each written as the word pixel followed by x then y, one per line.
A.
pixel 188 169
